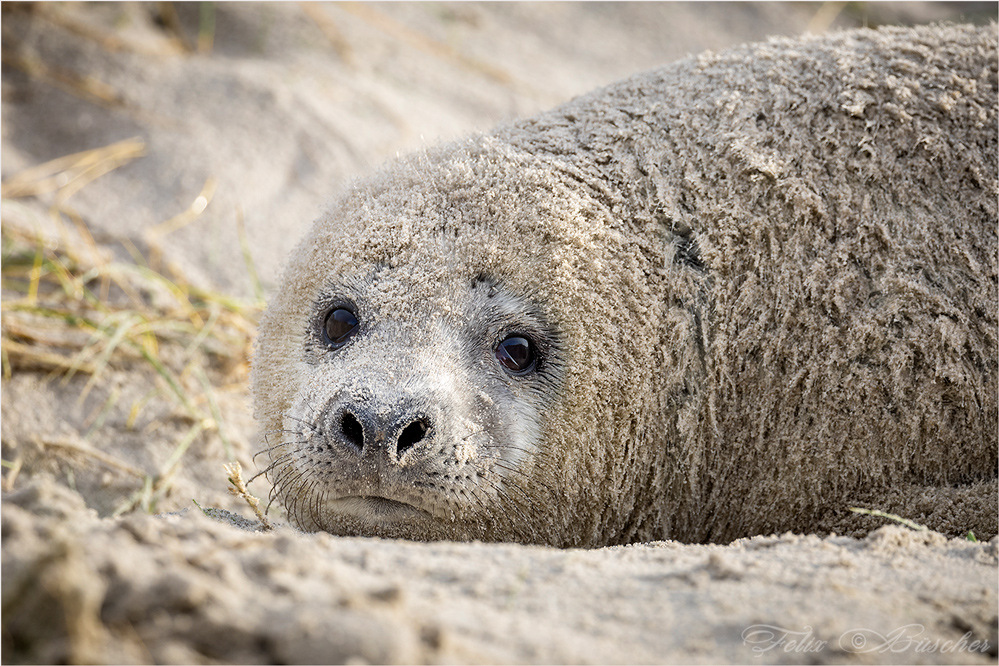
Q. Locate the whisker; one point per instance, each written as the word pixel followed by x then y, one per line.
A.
pixel 308 424
pixel 281 485
pixel 280 457
pixel 532 478
pixel 274 465
pixel 511 503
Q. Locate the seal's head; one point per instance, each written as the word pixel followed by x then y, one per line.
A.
pixel 424 388
pixel 444 353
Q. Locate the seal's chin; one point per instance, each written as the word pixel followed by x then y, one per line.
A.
pixel 376 509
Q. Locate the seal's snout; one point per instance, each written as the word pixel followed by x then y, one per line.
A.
pixel 392 431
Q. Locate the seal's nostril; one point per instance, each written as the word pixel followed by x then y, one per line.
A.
pixel 352 430
pixel 410 435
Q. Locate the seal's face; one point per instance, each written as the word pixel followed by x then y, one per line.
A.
pixel 417 408
pixel 442 360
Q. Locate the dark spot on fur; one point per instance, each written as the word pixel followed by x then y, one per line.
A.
pixel 687 252
pixel 483 280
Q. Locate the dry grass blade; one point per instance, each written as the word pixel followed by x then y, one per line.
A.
pixel 891 516
pixel 187 216
pixel 20 356
pixel 421 42
pixel 82 447
pixel 84 87
pixel 825 17
pixel 15 467
pixel 329 28
pixel 41 333
pixel 72 172
pixel 244 244
pixel 234 471
pixel 171 22
pixel 83 24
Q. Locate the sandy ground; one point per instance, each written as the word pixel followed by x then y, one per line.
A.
pixel 256 114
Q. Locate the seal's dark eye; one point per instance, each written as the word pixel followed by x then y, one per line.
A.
pixel 516 354
pixel 339 325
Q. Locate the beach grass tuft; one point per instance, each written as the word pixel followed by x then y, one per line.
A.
pixel 71 306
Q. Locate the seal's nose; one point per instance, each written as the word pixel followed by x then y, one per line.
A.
pixel 411 435
pixel 395 431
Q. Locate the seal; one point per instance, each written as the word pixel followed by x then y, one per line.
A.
pixel 735 295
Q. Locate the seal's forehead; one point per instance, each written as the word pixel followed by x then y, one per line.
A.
pixel 467 209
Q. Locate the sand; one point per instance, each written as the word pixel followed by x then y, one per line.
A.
pixel 287 104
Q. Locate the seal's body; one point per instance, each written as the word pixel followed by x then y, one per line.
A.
pixel 736 295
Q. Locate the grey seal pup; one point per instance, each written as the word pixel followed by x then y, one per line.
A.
pixel 735 295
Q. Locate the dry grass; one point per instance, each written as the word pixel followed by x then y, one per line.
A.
pixel 890 516
pixel 237 487
pixel 71 308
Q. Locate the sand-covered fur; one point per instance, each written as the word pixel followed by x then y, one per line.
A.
pixel 767 279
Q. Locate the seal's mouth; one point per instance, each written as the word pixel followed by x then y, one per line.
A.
pixel 377 509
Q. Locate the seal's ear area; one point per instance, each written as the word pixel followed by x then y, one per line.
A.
pixel 687 252
pixel 486 282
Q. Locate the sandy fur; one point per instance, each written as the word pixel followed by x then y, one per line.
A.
pixel 773 270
